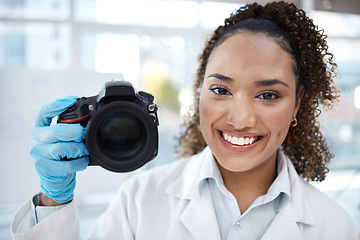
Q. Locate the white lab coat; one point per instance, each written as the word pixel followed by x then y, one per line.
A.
pixel 164 203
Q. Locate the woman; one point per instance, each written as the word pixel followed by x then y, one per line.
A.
pixel 252 137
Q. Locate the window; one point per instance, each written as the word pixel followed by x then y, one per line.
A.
pixel 342 126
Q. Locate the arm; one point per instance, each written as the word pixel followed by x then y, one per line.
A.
pixel 58 223
pixel 47 201
pixel 49 145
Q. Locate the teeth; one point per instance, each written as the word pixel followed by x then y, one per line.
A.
pixel 239 141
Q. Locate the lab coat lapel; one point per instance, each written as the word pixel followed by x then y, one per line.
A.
pixel 284 226
pixel 198 216
pixel 200 219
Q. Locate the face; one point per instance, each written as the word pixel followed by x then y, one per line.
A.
pixel 247 101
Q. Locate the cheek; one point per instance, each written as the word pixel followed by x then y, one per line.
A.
pixel 209 113
pixel 204 110
pixel 279 121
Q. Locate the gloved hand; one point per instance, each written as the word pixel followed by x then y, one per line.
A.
pixel 50 144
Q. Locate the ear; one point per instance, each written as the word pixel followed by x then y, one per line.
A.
pixel 299 96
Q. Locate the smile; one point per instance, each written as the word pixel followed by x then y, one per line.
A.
pixel 242 141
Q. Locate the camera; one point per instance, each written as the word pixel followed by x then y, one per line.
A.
pixel 121 126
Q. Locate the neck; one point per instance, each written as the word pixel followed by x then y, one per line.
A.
pixel 248 185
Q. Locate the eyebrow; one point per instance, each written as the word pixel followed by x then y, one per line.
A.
pixel 270 83
pixel 260 83
pixel 220 77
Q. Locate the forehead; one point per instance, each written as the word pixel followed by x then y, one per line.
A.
pixel 251 55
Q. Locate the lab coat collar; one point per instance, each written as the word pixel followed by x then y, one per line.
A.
pixel 288 222
pixel 186 186
pixel 199 215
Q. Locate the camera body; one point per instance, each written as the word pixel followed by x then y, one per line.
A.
pixel 121 126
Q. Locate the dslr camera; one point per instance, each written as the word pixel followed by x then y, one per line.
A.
pixel 121 126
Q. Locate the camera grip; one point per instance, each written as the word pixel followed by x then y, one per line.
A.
pixel 78 113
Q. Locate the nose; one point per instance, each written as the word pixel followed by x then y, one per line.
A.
pixel 241 113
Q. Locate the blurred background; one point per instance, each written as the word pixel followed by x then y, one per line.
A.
pixel 53 48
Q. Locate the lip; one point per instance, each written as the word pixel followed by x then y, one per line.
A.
pixel 238 148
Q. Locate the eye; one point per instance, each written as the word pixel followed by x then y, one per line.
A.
pixel 269 96
pixel 220 90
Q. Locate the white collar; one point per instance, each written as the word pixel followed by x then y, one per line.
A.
pixel 280 187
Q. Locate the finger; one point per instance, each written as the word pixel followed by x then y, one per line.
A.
pixel 59 133
pixel 58 151
pixel 50 110
pixel 78 164
pixel 51 169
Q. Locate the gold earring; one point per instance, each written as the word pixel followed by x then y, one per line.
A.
pixel 294 122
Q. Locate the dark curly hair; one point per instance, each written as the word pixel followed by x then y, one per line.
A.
pixel 315 71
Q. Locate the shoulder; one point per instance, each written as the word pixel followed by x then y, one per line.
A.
pixel 320 201
pixel 324 213
pixel 310 200
pixel 158 179
pixel 319 214
pixel 156 192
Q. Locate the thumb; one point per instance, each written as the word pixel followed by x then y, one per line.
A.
pixel 50 110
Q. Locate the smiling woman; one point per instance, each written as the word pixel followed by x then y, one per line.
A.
pixel 236 85
pixel 253 139
pixel 258 90
pixel 304 50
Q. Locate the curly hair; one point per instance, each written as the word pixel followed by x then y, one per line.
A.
pixel 304 144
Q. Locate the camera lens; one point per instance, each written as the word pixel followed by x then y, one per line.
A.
pixel 120 135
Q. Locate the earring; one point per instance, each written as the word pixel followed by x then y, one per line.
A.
pixel 294 122
pixel 230 118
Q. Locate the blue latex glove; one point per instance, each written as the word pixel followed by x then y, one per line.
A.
pixel 50 144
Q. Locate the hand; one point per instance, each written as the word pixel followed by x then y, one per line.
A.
pixel 50 144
